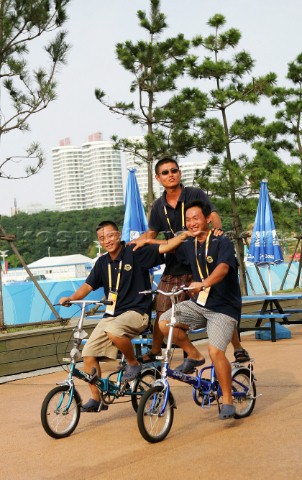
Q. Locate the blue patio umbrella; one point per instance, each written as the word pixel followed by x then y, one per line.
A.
pixel 135 221
pixel 264 248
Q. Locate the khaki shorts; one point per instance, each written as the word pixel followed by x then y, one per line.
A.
pixel 130 324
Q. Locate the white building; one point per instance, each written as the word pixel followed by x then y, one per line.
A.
pixel 102 169
pixel 89 176
pixel 188 171
pixel 68 176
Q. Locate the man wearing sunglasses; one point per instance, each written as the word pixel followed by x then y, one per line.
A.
pixel 168 217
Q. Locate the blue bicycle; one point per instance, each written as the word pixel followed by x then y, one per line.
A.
pixel 155 412
pixel 61 408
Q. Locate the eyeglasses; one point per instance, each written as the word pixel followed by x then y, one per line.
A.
pixel 166 172
pixel 107 236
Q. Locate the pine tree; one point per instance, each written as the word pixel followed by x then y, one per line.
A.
pixel 26 91
pixel 231 83
pixel 156 65
pixel 286 132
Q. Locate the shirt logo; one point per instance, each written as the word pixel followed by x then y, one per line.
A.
pixel 127 267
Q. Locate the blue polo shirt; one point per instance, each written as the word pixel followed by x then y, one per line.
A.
pixel 225 296
pixel 135 277
pixel 159 223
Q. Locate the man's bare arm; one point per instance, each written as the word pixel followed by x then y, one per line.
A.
pixel 147 238
pixel 80 293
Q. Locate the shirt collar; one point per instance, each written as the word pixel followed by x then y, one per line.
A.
pixel 182 196
pixel 120 255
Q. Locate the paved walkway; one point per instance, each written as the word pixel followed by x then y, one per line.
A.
pixel 108 446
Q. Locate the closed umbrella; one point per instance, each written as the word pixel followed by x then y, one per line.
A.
pixel 264 248
pixel 135 221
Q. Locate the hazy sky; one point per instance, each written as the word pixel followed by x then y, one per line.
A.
pixel 271 32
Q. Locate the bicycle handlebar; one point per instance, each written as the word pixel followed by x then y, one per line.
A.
pixel 175 293
pixel 84 302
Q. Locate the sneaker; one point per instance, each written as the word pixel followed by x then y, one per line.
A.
pixel 93 406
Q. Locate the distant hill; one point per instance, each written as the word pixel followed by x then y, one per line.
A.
pixel 66 233
pixel 56 233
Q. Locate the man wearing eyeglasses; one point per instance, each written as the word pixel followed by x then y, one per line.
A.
pixel 168 217
pixel 122 273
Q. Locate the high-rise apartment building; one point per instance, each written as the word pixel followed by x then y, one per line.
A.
pixel 89 176
pixel 68 176
pixel 188 171
pixel 102 175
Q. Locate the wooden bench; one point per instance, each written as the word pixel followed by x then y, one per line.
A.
pixel 259 317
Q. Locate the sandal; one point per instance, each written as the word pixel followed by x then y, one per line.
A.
pixel 241 355
pixel 189 365
pixel 131 371
pixel 93 406
pixel 227 411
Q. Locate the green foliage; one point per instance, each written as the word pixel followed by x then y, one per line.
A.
pixel 287 218
pixel 155 64
pixel 57 233
pixel 286 132
pixel 24 89
pixel 67 233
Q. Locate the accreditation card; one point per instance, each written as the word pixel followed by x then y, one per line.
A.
pixel 203 296
pixel 112 297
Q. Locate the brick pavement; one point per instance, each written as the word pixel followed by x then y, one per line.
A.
pixel 108 445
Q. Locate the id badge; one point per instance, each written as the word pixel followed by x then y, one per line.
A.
pixel 203 296
pixel 112 297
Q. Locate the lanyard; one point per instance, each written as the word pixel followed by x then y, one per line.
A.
pixel 205 253
pixel 182 217
pixel 118 276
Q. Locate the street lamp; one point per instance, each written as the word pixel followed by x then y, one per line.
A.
pixel 3 254
pixel 99 247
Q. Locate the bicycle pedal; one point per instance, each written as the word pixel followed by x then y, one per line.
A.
pixel 93 377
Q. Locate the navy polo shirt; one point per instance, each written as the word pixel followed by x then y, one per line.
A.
pixel 158 222
pixel 135 277
pixel 225 296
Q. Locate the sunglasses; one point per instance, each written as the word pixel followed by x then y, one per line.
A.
pixel 166 172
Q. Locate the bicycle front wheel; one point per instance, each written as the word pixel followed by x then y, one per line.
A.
pixel 153 423
pixel 58 419
pixel 142 384
pixel 244 392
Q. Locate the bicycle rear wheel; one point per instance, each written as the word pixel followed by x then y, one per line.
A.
pixel 57 420
pixel 143 383
pixel 153 425
pixel 243 383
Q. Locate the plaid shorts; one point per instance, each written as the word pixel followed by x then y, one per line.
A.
pixel 220 327
pixel 167 282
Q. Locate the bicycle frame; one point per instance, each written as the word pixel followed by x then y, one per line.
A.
pixel 61 408
pixel 208 387
pixel 105 385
